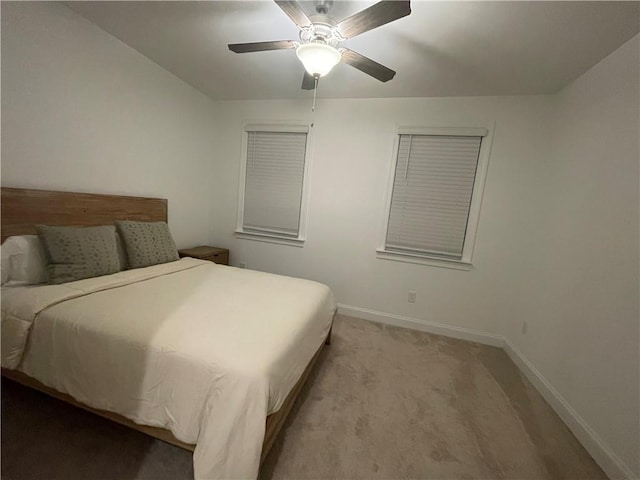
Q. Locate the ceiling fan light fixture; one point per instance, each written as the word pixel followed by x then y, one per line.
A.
pixel 318 58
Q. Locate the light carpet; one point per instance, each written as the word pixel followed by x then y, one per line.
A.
pixel 383 402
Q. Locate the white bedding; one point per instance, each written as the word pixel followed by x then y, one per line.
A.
pixel 204 350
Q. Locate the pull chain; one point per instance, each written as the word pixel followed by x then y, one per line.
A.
pixel 315 89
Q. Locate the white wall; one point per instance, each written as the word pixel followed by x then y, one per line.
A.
pixel 581 295
pixel 352 143
pixel 82 111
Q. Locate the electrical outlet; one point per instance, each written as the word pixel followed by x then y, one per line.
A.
pixel 243 265
pixel 412 296
pixel 524 327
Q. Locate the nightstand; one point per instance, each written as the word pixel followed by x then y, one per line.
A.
pixel 213 254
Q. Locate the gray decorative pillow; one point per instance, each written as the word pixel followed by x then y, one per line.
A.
pixel 147 243
pixel 122 253
pixel 74 253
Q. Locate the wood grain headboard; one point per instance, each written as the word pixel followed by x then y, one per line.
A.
pixel 22 209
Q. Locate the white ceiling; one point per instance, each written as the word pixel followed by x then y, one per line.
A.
pixel 441 49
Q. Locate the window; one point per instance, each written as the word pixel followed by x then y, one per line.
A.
pixel 272 187
pixel 435 194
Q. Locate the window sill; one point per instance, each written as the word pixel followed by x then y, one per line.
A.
pixel 265 237
pixel 423 260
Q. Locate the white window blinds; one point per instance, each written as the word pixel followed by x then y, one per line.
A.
pixel 432 191
pixel 273 182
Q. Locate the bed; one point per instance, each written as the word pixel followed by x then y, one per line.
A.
pixel 207 357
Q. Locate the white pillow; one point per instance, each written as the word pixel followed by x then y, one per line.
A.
pixel 23 261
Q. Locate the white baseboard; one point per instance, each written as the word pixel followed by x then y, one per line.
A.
pixel 423 325
pixel 613 466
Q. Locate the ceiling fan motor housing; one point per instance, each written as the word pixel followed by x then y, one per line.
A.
pixel 323 6
pixel 322 30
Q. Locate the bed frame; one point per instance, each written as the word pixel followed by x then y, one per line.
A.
pixel 22 209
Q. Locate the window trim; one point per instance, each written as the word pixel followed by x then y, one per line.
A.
pixel 276 126
pixel 465 263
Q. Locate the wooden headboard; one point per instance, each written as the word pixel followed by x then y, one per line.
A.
pixel 22 209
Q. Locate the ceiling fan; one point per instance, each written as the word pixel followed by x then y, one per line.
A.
pixel 320 36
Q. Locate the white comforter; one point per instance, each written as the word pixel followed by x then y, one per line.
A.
pixel 204 350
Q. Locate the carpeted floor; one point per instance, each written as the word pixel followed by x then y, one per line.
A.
pixel 383 402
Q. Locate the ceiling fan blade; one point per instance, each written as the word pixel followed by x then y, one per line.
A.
pixel 367 65
pixel 261 46
pixel 294 12
pixel 373 17
pixel 308 82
